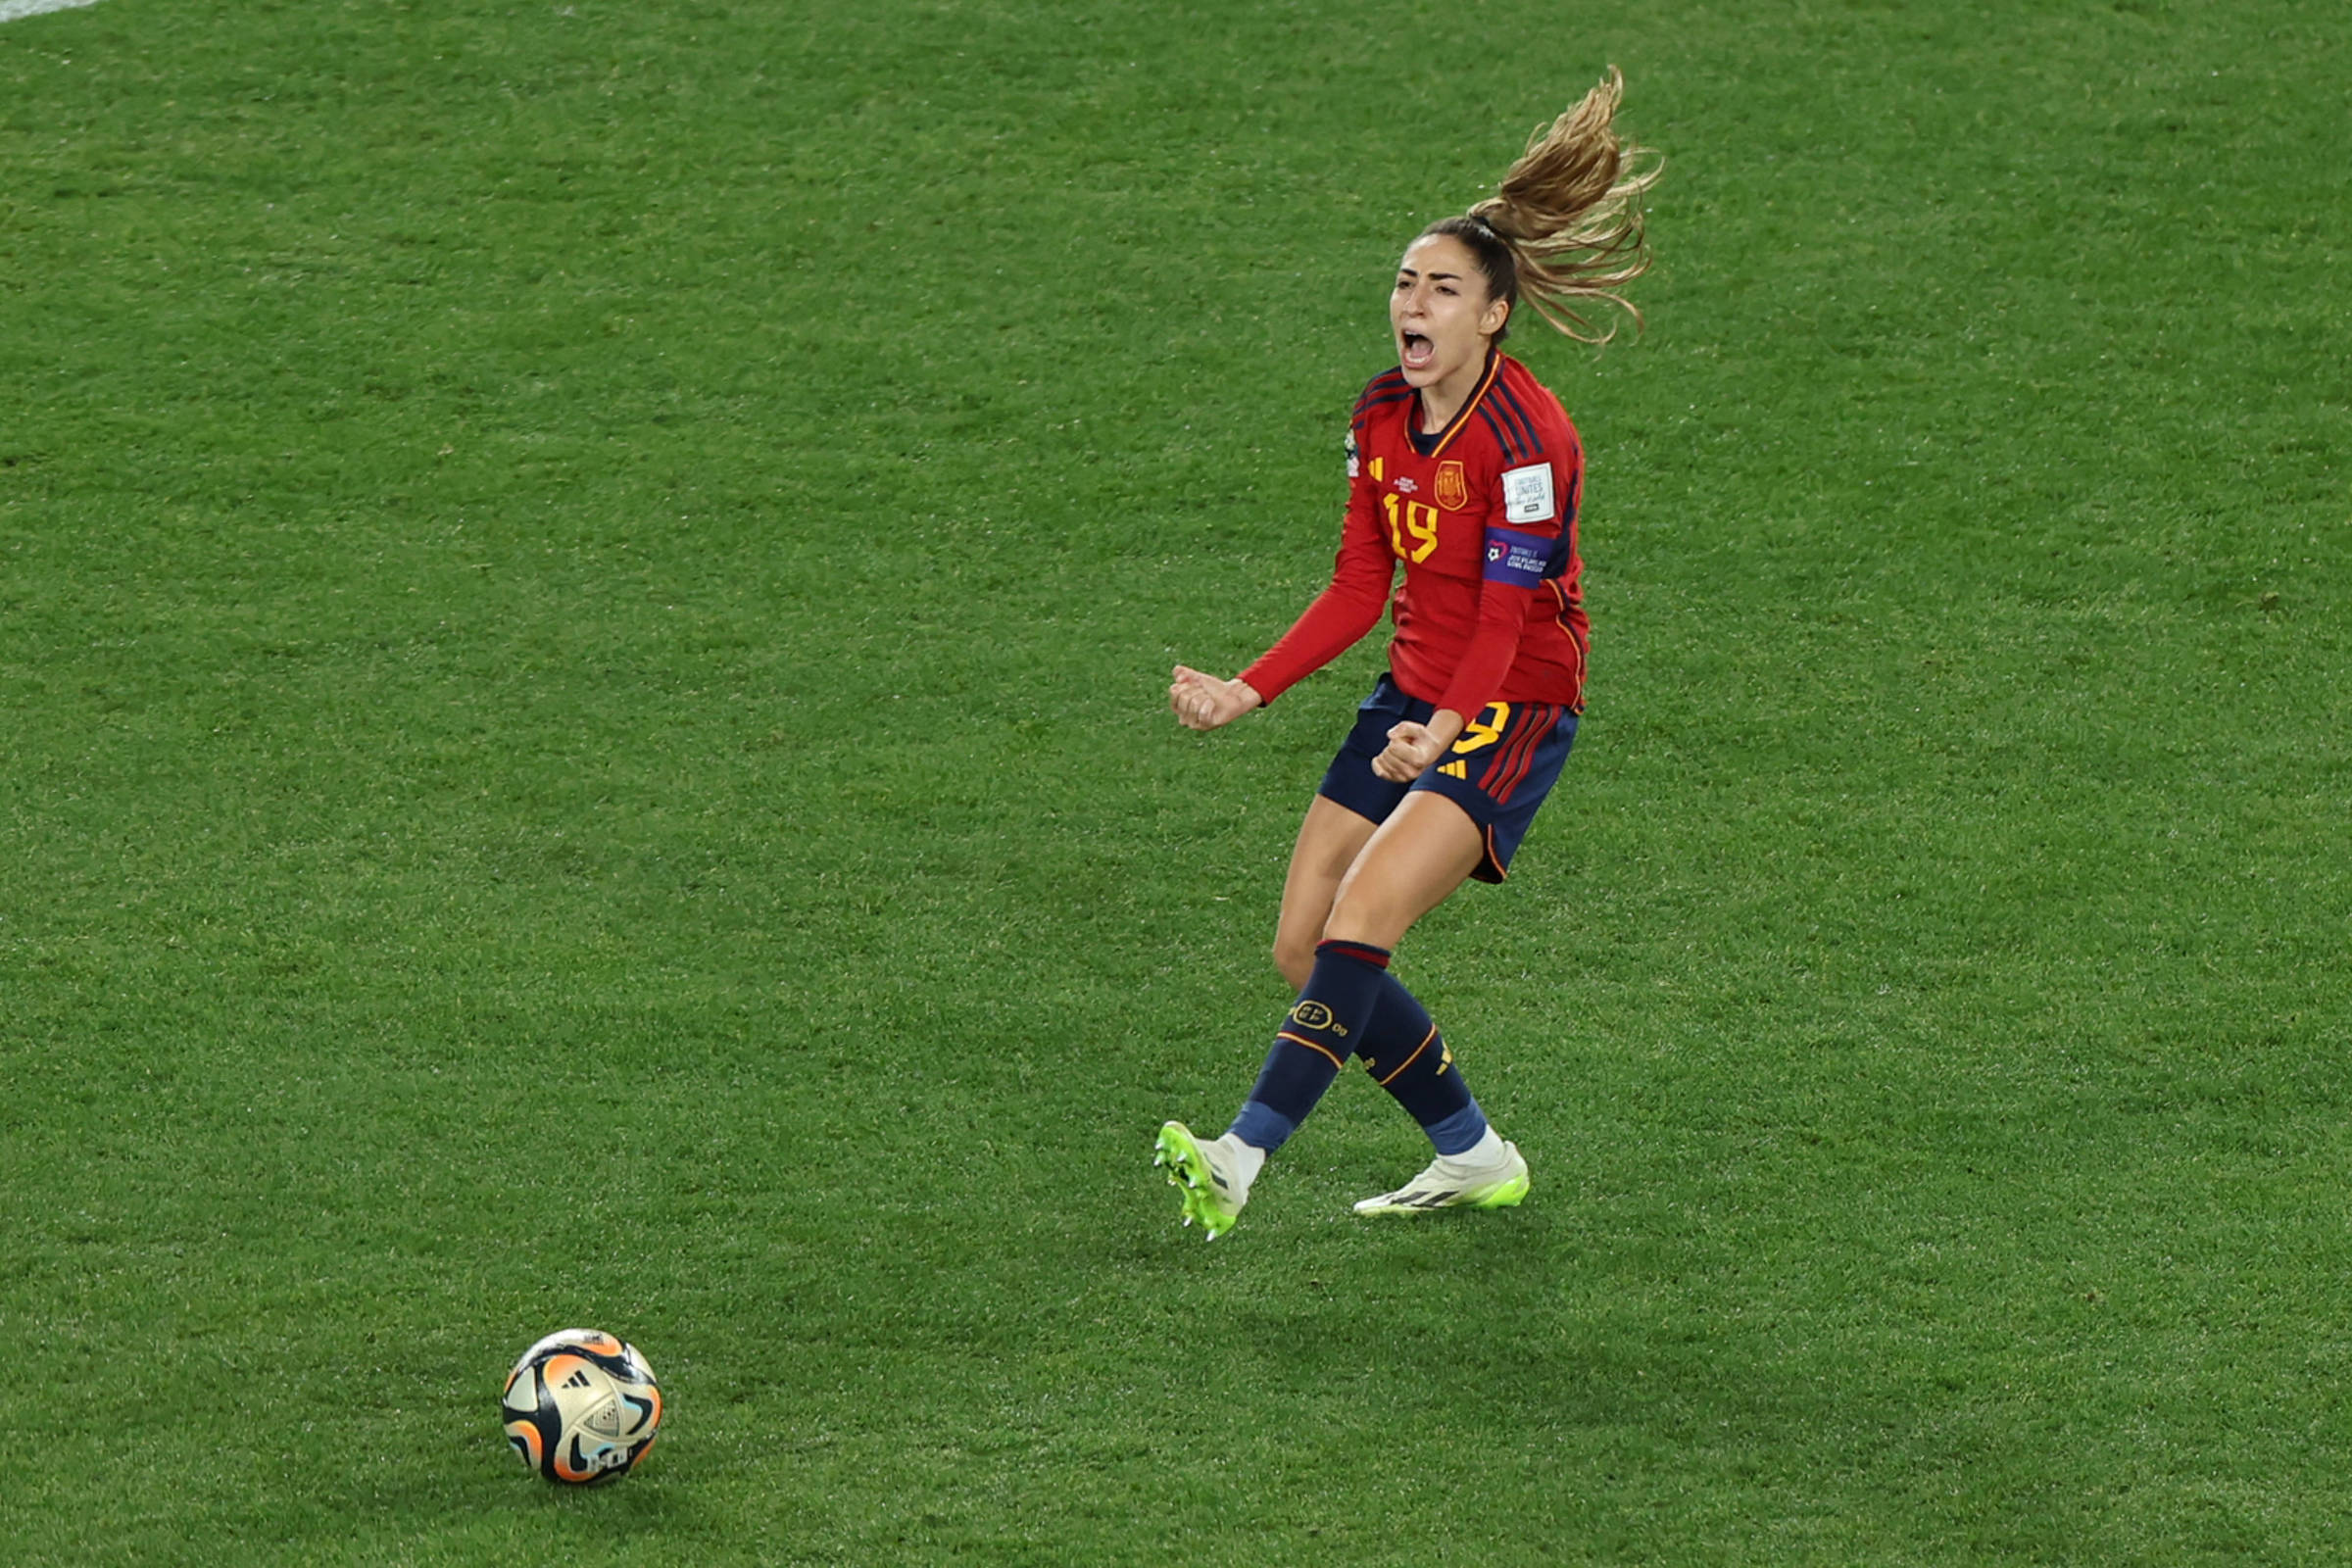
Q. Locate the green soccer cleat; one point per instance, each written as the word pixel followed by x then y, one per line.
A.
pixel 1204 1174
pixel 1451 1183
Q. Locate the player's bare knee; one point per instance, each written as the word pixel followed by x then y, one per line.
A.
pixel 1360 915
pixel 1347 910
pixel 1294 959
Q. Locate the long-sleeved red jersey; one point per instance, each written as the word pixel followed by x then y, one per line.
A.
pixel 1482 514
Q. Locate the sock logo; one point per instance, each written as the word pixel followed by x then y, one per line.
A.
pixel 1311 1014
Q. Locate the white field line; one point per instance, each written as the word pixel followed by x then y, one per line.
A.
pixel 11 10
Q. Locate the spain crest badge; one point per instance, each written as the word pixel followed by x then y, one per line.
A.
pixel 1454 486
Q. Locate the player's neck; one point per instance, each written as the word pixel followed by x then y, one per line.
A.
pixel 1441 400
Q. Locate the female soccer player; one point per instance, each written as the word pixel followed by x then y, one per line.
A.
pixel 1463 471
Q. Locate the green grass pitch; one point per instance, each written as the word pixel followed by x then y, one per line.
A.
pixel 586 597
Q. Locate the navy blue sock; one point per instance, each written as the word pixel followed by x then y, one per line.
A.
pixel 1318 1036
pixel 1406 1054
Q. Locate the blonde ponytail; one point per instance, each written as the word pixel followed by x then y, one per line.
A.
pixel 1570 213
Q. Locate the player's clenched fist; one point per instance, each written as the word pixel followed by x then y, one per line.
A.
pixel 1205 702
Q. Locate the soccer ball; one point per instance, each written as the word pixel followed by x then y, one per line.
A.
pixel 581 1407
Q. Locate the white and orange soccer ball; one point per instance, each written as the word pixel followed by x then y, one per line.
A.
pixel 581 1406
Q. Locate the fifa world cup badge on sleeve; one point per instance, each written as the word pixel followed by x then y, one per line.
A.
pixel 1527 494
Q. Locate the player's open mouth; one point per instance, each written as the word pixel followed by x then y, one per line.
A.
pixel 1418 350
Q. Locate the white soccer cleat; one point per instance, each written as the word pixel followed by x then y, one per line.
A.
pixel 1452 1183
pixel 1207 1173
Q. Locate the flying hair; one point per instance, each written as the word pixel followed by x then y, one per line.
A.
pixel 1569 215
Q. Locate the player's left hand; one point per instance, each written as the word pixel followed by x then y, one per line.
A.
pixel 1205 702
pixel 1411 748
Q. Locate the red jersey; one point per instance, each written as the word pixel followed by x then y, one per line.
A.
pixel 1482 515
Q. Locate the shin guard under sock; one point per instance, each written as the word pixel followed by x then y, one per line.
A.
pixel 1319 1035
pixel 1406 1056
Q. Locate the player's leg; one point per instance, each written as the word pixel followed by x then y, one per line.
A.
pixel 1329 840
pixel 1502 771
pixel 1353 869
pixel 1214 1174
pixel 1429 848
pixel 1349 997
pixel 1398 1046
pixel 1424 851
pixel 1410 863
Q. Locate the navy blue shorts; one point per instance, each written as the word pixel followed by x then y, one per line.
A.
pixel 1500 771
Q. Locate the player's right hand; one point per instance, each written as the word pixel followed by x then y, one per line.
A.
pixel 1205 702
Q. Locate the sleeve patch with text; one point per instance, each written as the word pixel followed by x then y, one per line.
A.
pixel 1527 494
pixel 1515 558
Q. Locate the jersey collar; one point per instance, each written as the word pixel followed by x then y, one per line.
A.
pixel 1461 415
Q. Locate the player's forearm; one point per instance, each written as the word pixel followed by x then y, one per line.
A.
pixel 1335 622
pixel 1445 726
pixel 1488 657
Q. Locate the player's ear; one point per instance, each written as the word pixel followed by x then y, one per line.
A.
pixel 1497 312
